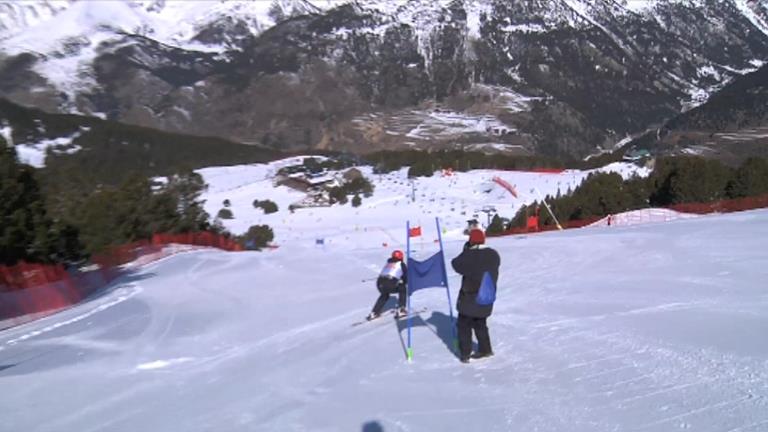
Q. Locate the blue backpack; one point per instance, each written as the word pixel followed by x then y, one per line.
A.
pixel 486 295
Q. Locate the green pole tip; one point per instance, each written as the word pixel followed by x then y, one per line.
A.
pixel 409 353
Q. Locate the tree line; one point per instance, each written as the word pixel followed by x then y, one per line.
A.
pixel 68 223
pixel 425 163
pixel 674 180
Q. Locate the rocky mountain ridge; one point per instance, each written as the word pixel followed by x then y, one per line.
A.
pixel 563 78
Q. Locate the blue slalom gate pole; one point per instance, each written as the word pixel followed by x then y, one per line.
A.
pixel 409 350
pixel 447 289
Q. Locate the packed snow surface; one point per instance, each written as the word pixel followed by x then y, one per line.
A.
pixel 642 328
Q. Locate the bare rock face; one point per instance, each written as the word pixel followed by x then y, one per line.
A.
pixel 555 77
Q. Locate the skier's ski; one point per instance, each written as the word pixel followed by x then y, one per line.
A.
pixel 413 313
pixel 388 312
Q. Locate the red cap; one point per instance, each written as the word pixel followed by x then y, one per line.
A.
pixel 476 236
pixel 398 255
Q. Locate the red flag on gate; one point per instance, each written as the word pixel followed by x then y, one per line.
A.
pixel 415 232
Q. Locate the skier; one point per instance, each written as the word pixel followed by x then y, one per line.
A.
pixel 474 304
pixel 392 279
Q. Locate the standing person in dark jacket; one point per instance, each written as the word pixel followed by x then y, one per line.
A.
pixel 393 279
pixel 472 264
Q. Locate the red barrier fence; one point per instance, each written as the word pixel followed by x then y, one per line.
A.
pixel 199 239
pixel 723 206
pixel 32 289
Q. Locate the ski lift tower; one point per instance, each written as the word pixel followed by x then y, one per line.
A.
pixel 488 210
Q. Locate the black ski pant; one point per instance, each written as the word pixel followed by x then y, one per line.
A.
pixel 387 287
pixel 465 325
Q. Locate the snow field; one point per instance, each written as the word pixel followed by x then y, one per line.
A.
pixel 640 328
pixel 381 218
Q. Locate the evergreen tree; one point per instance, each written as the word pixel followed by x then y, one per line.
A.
pixel 257 237
pixel 137 208
pixel 689 179
pixel 699 180
pixel 225 214
pixel 496 226
pixel 750 179
pixel 26 231
pixel 185 189
pixel 359 185
pixel 338 195
pixel 421 168
pixel 356 201
pixel 269 207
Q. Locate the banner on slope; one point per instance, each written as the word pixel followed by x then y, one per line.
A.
pixel 428 273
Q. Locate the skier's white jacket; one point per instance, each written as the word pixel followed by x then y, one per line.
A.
pixel 393 270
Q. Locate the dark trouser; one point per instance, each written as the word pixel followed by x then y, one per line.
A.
pixel 387 287
pixel 465 326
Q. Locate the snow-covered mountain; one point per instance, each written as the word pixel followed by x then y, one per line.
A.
pixel 559 77
pixel 175 23
pixel 69 34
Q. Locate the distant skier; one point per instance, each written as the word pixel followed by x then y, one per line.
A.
pixel 479 267
pixel 392 280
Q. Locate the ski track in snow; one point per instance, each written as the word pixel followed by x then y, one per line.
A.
pixel 639 328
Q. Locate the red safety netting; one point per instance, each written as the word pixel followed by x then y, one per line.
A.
pixel 199 239
pixel 28 289
pixel 723 206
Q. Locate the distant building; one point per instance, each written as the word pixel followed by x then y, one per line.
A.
pixel 635 155
pixel 306 183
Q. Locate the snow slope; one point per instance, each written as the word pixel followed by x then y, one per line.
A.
pixel 643 328
pixel 454 199
pixel 27 25
pixel 643 216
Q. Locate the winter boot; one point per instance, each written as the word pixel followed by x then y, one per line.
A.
pixel 372 316
pixel 480 355
pixel 401 312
